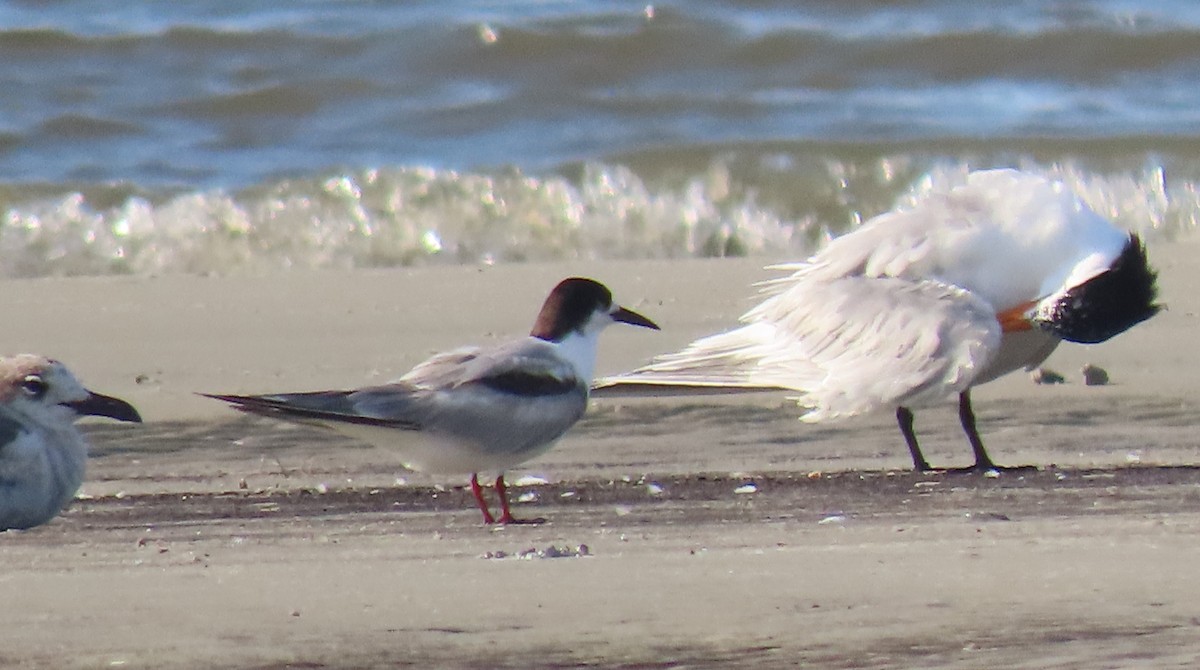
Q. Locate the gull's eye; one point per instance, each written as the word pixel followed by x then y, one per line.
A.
pixel 33 386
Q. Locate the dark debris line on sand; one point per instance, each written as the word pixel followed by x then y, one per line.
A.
pixel 860 495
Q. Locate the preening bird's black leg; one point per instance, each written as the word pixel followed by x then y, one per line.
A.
pixel 904 417
pixel 966 415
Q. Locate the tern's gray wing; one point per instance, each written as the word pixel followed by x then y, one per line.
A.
pixel 319 407
pixel 513 397
pixel 472 392
pixel 528 366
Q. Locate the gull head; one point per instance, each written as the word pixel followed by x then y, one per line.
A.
pixel 43 391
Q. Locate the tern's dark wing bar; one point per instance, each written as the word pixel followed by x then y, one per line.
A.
pixel 528 384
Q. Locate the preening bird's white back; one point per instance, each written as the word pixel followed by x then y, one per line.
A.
pixel 1007 236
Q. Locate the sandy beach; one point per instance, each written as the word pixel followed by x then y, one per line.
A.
pixel 713 532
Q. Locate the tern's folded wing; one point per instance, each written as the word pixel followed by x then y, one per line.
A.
pixel 320 407
pixel 525 367
pixel 512 397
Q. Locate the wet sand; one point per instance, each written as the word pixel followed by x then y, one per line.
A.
pixel 712 532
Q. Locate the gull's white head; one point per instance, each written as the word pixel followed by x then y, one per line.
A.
pixel 42 391
pixel 575 313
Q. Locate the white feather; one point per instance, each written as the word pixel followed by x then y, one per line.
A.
pixel 902 311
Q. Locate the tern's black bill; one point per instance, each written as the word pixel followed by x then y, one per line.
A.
pixel 633 318
pixel 97 404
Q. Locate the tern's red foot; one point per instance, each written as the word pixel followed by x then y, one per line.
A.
pixel 506 516
pixel 483 507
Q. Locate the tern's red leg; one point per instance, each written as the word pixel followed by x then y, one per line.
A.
pixel 506 516
pixel 483 507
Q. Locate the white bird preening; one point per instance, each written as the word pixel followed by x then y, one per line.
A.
pixel 43 456
pixel 475 409
pixel 923 303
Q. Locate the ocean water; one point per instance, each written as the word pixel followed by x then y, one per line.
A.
pixel 218 137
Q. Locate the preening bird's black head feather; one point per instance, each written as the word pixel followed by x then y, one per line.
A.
pixel 1108 304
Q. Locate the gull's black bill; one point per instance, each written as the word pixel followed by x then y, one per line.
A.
pixel 98 404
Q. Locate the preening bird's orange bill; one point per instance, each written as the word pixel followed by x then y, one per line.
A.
pixel 1016 319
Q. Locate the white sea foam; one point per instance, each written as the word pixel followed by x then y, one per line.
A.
pixel 407 216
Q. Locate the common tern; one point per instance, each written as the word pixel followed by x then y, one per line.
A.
pixel 474 409
pixel 43 456
pixel 923 303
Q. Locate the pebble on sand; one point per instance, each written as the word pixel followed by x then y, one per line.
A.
pixel 1094 375
pixel 1046 376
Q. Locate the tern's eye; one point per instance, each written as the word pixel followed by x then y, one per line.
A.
pixel 33 386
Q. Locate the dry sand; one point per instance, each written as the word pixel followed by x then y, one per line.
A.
pixel 207 540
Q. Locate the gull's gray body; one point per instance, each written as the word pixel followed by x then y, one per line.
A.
pixel 43 456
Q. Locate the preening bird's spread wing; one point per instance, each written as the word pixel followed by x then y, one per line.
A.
pixel 911 243
pixel 882 342
pixel 847 346
pixel 1007 236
